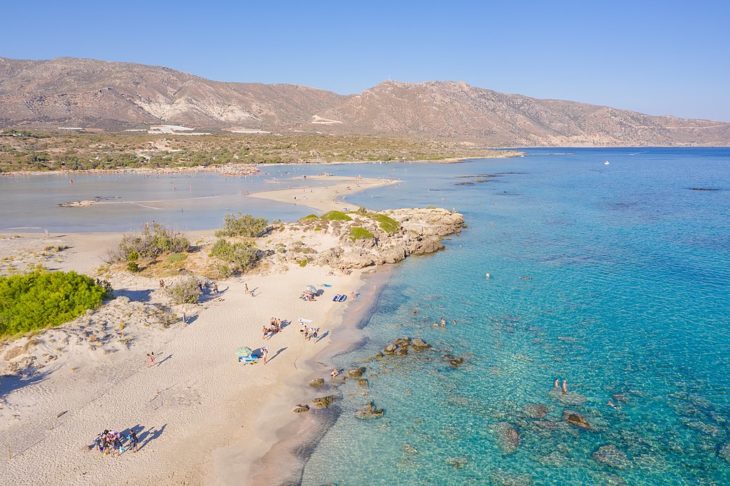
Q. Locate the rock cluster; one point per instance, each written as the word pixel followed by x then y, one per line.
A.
pixel 612 456
pixel 324 402
pixel 369 411
pixel 574 418
pixel 400 346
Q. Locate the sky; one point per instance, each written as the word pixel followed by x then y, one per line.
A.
pixel 657 57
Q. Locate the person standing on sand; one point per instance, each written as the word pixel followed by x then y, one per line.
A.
pixel 151 359
pixel 245 288
pixel 133 441
pixel 265 354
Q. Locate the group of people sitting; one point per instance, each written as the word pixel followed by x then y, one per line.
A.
pixel 274 327
pixel 309 332
pixel 111 441
pixel 308 295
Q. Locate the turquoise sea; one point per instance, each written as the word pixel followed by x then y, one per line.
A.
pixel 615 277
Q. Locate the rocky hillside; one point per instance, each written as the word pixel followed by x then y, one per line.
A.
pixel 114 96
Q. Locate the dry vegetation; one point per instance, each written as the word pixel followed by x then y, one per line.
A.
pixel 22 150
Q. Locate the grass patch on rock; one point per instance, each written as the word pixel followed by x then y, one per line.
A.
pixel 360 233
pixel 336 216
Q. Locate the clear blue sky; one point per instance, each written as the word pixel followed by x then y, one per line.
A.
pixel 659 57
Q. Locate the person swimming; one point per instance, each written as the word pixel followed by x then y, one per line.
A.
pixel 556 384
pixel 565 387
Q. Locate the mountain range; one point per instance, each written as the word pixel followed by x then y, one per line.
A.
pixel 69 92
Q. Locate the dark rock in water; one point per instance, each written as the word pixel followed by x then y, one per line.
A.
pixel 536 410
pixel 620 397
pixel 301 408
pixel 390 349
pixel 419 344
pixel 401 351
pixel 363 382
pixel 369 411
pixel 457 462
pixel 509 437
pixel 454 361
pixel 356 372
pixel 404 341
pixel 725 452
pixel 610 455
pixel 317 383
pixel 574 418
pixel 324 402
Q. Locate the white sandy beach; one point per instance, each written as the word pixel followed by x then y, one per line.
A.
pixel 198 410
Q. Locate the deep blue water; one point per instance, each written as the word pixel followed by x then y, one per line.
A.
pixel 615 277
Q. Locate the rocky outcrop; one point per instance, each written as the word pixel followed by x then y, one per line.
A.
pixel 317 383
pixel 356 372
pixel 364 238
pixel 301 408
pixel 400 346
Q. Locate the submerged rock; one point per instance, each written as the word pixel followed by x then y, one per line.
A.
pixel 363 382
pixel 317 383
pixel 454 361
pixel 324 402
pixel 369 411
pixel 457 462
pixel 509 437
pixel 725 452
pixel 301 408
pixel 536 410
pixel 356 372
pixel 390 349
pixel 574 418
pixel 610 455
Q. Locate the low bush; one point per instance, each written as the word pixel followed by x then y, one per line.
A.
pixel 42 299
pixel 241 256
pixel 360 233
pixel 336 216
pixel 309 217
pixel 154 240
pixel 242 225
pixel 386 223
pixel 185 291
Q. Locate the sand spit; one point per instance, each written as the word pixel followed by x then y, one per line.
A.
pixel 202 417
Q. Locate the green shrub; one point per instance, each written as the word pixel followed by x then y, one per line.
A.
pixel 186 291
pixel 241 256
pixel 303 262
pixel 176 258
pixel 133 267
pixel 42 299
pixel 154 240
pixel 336 216
pixel 360 233
pixel 386 223
pixel 242 225
pixel 309 217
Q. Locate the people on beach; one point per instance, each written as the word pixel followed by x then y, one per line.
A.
pixel 112 442
pixel 334 373
pixel 151 359
pixel 265 354
pixel 162 284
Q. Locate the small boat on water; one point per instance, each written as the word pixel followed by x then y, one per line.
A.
pixel 606 162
